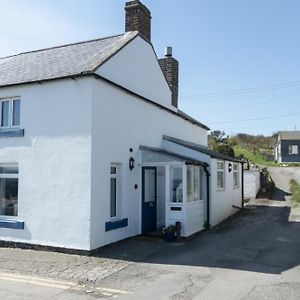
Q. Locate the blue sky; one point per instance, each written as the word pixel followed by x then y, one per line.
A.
pixel 232 45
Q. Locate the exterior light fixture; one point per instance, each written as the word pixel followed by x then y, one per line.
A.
pixel 131 163
pixel 230 167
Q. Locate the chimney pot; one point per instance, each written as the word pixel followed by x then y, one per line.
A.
pixel 168 52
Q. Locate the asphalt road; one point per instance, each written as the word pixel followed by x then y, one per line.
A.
pixel 253 255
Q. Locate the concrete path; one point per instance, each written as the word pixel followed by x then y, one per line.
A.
pixel 282 178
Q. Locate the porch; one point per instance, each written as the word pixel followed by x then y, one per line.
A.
pixel 174 188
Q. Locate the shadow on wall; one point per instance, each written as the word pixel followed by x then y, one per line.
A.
pixel 258 239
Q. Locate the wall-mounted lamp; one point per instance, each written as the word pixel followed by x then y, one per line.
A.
pixel 131 163
pixel 229 167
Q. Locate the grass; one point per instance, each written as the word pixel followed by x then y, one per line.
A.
pixel 295 191
pixel 255 158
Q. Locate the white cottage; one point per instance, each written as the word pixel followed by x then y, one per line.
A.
pixel 93 148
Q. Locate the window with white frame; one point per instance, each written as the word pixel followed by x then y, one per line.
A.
pixel 176 184
pixel 115 190
pixel 235 175
pixel 220 175
pixel 10 112
pixel 9 190
pixel 193 183
pixel 293 149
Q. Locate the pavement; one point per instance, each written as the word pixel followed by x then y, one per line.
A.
pixel 252 255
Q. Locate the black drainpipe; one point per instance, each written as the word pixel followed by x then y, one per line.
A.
pixel 207 197
pixel 242 184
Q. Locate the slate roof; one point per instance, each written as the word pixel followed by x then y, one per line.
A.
pixel 289 135
pixel 62 61
pixel 200 148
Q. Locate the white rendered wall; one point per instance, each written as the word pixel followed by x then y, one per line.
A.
pixel 222 201
pixel 251 183
pixel 136 68
pixel 161 197
pixel 54 160
pixel 120 122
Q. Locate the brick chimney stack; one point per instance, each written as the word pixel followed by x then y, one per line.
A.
pixel 138 18
pixel 170 68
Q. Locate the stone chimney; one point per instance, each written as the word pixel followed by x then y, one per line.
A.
pixel 170 68
pixel 138 18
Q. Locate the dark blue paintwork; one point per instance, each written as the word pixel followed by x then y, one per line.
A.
pixel 285 156
pixel 148 208
pixel 4 133
pixel 112 225
pixel 13 224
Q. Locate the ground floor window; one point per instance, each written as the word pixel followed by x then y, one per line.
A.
pixel 235 175
pixel 220 175
pixel 193 183
pixel 293 149
pixel 176 184
pixel 9 190
pixel 115 194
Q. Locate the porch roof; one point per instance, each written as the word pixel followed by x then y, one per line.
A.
pixel 200 148
pixel 175 156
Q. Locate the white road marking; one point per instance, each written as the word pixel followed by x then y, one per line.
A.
pixel 50 283
pixel 115 291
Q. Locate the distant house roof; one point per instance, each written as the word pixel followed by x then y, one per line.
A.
pixel 289 135
pixel 62 61
pixel 200 148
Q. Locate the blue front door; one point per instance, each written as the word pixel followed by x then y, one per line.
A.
pixel 149 195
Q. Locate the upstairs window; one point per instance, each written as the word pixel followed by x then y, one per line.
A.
pixel 293 149
pixel 10 113
pixel 9 190
pixel 220 175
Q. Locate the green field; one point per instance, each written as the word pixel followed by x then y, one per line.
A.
pixel 255 158
pixel 295 191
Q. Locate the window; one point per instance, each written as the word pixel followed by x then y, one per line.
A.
pixel 193 183
pixel 114 190
pixel 293 149
pixel 10 113
pixel 235 175
pixel 9 190
pixel 220 175
pixel 176 184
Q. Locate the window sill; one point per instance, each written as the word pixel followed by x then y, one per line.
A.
pixel 112 225
pixel 11 132
pixel 12 224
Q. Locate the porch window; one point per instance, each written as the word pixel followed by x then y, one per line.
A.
pixel 176 184
pixel 293 149
pixel 114 190
pixel 193 183
pixel 220 175
pixel 10 113
pixel 9 190
pixel 235 176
